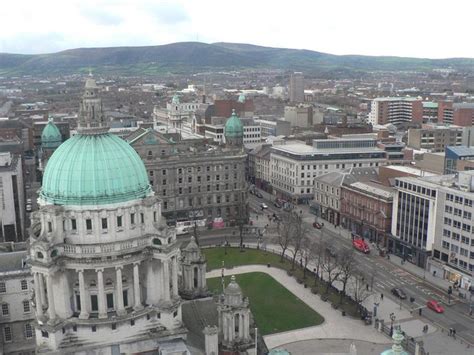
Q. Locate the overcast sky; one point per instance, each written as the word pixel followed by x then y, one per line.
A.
pixel 418 28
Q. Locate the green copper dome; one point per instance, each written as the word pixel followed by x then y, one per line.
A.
pixel 233 127
pixel 51 137
pixel 94 169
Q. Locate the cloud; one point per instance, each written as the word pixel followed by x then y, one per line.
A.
pixel 101 17
pixel 167 13
pixel 34 43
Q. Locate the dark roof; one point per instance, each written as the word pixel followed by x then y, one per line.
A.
pixel 12 261
pixel 197 314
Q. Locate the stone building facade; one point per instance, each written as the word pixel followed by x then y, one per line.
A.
pixel 104 262
pixel 193 179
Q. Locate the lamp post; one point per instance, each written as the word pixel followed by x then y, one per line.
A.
pixel 392 320
pixel 376 304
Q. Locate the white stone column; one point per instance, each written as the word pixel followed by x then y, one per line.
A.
pixel 49 287
pixel 136 287
pixel 101 294
pixel 241 326
pixel 83 296
pixel 38 301
pixel 119 291
pixel 174 276
pixel 231 326
pixel 151 294
pixel 202 270
pixel 42 292
pixel 166 279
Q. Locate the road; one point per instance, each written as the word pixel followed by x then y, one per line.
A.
pixel 384 275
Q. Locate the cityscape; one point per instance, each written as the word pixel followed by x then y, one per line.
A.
pixel 219 198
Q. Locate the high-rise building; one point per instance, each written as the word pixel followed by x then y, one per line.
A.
pixel 434 138
pixel 460 114
pixel 395 110
pixel 297 87
pixel 12 199
pixel 104 262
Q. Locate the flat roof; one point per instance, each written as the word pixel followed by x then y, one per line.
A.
pixel 410 170
pixel 374 189
pixel 296 148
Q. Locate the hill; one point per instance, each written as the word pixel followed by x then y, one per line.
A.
pixel 195 56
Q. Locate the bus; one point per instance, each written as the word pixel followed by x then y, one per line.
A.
pixel 184 227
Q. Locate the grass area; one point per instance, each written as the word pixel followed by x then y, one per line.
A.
pixel 235 257
pixel 274 307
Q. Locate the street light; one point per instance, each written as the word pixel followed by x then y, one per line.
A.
pixel 392 320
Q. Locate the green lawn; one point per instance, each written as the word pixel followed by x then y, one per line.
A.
pixel 274 307
pixel 235 257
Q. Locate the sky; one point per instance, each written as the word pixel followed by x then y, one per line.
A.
pixel 414 28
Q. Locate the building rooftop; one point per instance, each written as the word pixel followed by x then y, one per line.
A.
pixel 429 104
pixel 374 189
pixel 295 148
pixel 410 170
pixel 403 98
pixel 13 261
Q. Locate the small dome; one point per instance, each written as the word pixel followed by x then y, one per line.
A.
pixel 233 287
pixel 94 170
pixel 51 136
pixel 233 127
pixel 192 246
pixel 241 98
pixel 175 99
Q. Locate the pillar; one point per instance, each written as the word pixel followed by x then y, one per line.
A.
pixel 101 294
pixel 38 301
pixel 136 287
pixel 41 287
pixel 166 279
pixel 174 276
pixel 50 290
pixel 119 291
pixel 230 326
pixel 151 294
pixel 241 326
pixel 83 296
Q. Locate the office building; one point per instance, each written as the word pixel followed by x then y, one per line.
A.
pixel 458 159
pixel 300 115
pixel 274 128
pixel 296 87
pixel 459 114
pixel 396 110
pixel 434 138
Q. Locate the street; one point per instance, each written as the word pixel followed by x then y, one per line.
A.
pixel 384 274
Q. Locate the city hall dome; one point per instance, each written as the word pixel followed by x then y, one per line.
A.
pixel 51 136
pixel 94 169
pixel 233 127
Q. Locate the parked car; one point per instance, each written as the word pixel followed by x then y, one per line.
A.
pixel 28 201
pixel 360 245
pixel 399 293
pixel 28 208
pixel 277 204
pixel 435 306
pixel 263 206
pixel 258 194
pixel 318 225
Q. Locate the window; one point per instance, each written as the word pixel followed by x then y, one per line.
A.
pixel 44 334
pixel 26 306
pixel 3 287
pixel 190 179
pixel 114 326
pixel 163 182
pixel 50 227
pixel 5 309
pixel 73 224
pixel 104 223
pixel 24 285
pixel 7 334
pixel 208 188
pixel 28 331
pixel 119 221
pixel 180 171
pixel 163 172
pixel 180 190
pixel 180 180
pixel 132 218
pixel 94 328
pixel 142 218
pixel 89 224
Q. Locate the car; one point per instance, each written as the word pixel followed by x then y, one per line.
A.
pixel 277 204
pixel 399 293
pixel 258 194
pixel 435 306
pixel 263 206
pixel 318 225
pixel 28 201
pixel 28 208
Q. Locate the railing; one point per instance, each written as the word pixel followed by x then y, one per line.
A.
pixel 115 247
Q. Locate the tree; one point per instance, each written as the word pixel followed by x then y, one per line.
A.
pixel 296 237
pixel 359 289
pixel 347 264
pixel 319 247
pixel 331 268
pixel 307 252
pixel 242 216
pixel 286 230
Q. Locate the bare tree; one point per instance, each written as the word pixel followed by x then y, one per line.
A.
pixel 286 231
pixel 359 289
pixel 331 268
pixel 307 252
pixel 347 264
pixel 296 238
pixel 319 247
pixel 242 216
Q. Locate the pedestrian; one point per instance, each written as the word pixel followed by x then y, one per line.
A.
pixel 450 331
pixel 257 217
pixel 454 333
pixel 367 287
pixel 381 296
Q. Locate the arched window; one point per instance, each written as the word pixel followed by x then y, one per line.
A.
pixel 109 282
pixel 93 283
pixel 39 255
pixel 54 253
pixel 156 241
